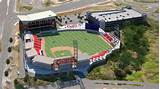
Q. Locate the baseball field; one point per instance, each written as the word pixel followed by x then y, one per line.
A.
pixel 62 44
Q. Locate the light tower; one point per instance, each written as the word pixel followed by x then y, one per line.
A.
pixel 75 50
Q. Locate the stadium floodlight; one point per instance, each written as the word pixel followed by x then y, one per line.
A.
pixel 56 69
pixel 74 66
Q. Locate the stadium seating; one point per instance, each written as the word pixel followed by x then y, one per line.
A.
pixel 108 37
pixel 98 56
pixel 37 44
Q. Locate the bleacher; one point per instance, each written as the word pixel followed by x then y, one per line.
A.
pixel 107 37
pixel 99 56
pixel 37 44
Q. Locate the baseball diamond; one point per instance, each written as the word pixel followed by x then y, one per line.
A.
pixel 89 43
pixel 62 53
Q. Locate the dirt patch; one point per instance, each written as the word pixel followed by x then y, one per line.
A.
pixel 55 49
pixel 64 48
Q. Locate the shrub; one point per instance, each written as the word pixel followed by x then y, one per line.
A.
pixel 27 7
pixel 135 76
pixel 10 39
pixel 8 61
pixel 18 85
pixel 9 49
pixel 6 73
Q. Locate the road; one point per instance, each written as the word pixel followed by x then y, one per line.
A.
pixel 70 5
pixel 74 5
pixel 148 8
pixel 102 84
pixel 6 27
pixel 114 84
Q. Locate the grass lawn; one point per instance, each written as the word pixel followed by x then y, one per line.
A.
pixel 87 42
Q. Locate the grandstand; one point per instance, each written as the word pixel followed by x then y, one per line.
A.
pixel 58 52
pixel 37 44
pixel 37 21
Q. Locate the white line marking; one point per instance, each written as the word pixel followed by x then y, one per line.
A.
pixel 8 1
pixel 2 29
pixel 15 4
pixel 16 23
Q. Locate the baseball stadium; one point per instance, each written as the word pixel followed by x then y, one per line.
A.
pixel 49 49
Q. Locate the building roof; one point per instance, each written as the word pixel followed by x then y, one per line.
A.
pixel 29 45
pixel 115 15
pixel 43 59
pixel 37 16
pixel 31 53
pixel 28 36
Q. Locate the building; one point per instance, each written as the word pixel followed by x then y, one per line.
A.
pixel 37 21
pixel 112 18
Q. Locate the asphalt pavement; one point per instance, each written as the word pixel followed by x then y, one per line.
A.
pixel 148 8
pixel 6 27
pixel 68 6
pixel 102 84
pixel 115 84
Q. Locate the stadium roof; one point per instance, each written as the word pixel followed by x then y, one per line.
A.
pixel 43 59
pixel 37 16
pixel 115 15
pixel 31 53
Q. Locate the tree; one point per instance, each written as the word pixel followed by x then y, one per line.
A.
pixel 9 49
pixel 10 39
pixel 7 61
pixel 120 74
pixel 6 73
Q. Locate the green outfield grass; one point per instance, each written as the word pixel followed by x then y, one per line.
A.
pixel 87 42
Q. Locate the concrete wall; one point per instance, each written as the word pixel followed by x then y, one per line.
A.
pixel 42 65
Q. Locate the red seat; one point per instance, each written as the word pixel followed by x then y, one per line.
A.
pixel 94 57
pixel 37 44
pixel 108 37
